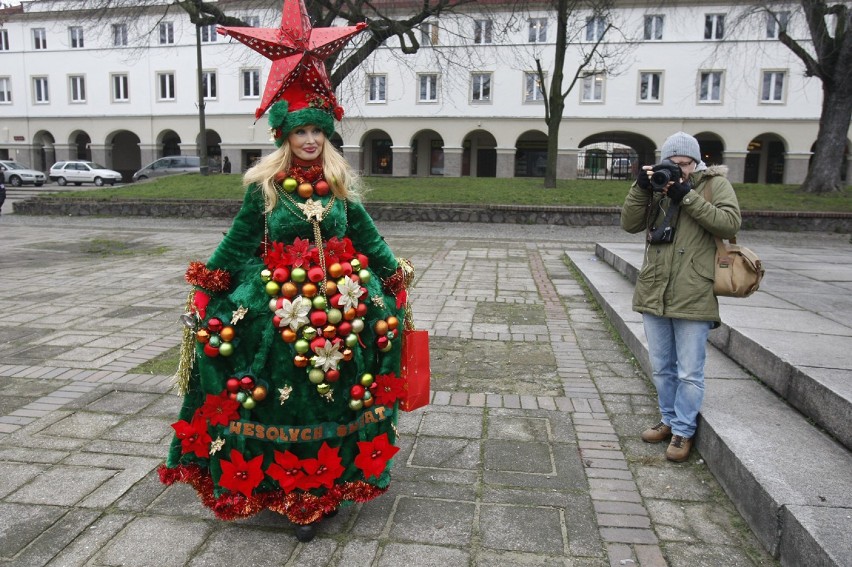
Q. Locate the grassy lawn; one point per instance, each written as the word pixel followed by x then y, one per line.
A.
pixel 473 190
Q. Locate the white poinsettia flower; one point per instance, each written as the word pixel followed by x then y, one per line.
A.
pixel 328 355
pixel 349 291
pixel 293 313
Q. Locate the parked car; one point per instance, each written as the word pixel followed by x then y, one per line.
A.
pixel 169 166
pixel 79 172
pixel 17 174
pixel 621 167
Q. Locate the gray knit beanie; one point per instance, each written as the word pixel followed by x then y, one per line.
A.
pixel 681 144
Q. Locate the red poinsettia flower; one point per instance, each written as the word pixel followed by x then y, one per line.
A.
pixel 239 475
pixel 287 470
pixel 300 253
pixel 219 410
pixel 275 256
pixel 193 437
pixel 323 470
pixel 338 250
pixel 373 456
pixel 389 389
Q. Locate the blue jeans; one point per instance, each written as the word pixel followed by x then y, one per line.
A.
pixel 677 349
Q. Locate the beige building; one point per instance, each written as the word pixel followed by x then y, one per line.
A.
pixel 123 92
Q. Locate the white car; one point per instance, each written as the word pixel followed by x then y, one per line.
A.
pixel 79 172
pixel 17 175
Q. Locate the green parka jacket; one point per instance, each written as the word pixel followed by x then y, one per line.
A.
pixel 677 279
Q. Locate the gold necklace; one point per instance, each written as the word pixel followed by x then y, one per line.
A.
pixel 314 214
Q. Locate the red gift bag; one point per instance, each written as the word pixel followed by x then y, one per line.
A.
pixel 415 369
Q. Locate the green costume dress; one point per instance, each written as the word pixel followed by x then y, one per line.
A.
pixel 292 398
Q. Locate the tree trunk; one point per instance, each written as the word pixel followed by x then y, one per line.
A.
pixel 827 163
pixel 557 105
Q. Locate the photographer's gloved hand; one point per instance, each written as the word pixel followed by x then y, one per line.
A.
pixel 677 191
pixel 643 181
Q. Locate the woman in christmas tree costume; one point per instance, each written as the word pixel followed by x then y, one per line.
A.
pixel 291 356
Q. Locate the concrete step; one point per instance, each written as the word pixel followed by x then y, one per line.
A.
pixel 790 481
pixel 798 344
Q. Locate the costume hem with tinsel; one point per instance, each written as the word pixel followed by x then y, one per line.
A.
pixel 299 507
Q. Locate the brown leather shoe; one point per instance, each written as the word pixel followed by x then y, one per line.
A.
pixel 678 449
pixel 657 434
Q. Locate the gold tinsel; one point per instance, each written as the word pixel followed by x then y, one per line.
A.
pixel 408 282
pixel 187 352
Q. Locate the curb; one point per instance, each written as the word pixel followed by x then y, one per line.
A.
pixel 424 212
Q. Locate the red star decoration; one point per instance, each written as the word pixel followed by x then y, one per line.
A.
pixel 298 53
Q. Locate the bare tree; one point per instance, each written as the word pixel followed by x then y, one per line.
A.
pixel 826 55
pixel 596 55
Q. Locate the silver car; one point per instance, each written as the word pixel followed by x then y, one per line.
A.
pixel 79 172
pixel 169 166
pixel 17 174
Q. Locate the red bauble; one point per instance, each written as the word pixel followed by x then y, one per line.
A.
pixel 318 343
pixel 315 274
pixel 363 260
pixel 335 300
pixel 214 324
pixel 332 376
pixel 246 382
pixel 210 350
pixel 318 318
pixel 347 268
pixel 382 342
pixel 356 392
pixel 361 310
pixel 276 321
pixel 281 275
pixel 280 176
pixel 322 188
pixel 232 384
pixel 344 328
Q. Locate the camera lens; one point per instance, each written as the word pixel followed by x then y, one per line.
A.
pixel 660 178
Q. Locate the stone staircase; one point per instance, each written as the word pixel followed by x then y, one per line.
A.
pixel 776 426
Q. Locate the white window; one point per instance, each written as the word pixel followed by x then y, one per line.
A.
pixel 208 33
pixel 595 28
pixel 653 27
pixel 76 33
pixel 208 85
pixel 251 83
pixel 480 87
pixel 5 90
pixel 167 33
pixel 773 87
pixel 429 33
pixel 77 88
pixel 376 87
pixel 4 40
pixel 120 92
pixel 428 88
pixel 39 38
pixel 776 22
pixel 650 86
pixel 714 26
pixel 593 88
pixel 119 35
pixel 710 87
pixel 538 30
pixel 532 88
pixel 252 21
pixel 482 31
pixel 165 86
pixel 40 92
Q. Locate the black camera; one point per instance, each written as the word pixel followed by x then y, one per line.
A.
pixel 664 172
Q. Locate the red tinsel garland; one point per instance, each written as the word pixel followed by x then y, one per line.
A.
pixel 298 507
pixel 212 280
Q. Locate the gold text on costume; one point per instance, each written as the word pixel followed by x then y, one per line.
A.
pixel 307 433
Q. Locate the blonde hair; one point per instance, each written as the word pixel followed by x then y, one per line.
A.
pixel 344 181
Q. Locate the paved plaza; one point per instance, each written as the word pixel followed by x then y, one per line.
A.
pixel 529 454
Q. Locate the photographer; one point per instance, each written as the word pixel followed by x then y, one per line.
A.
pixel 672 203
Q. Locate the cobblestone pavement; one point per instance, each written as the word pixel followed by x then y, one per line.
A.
pixel 528 455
